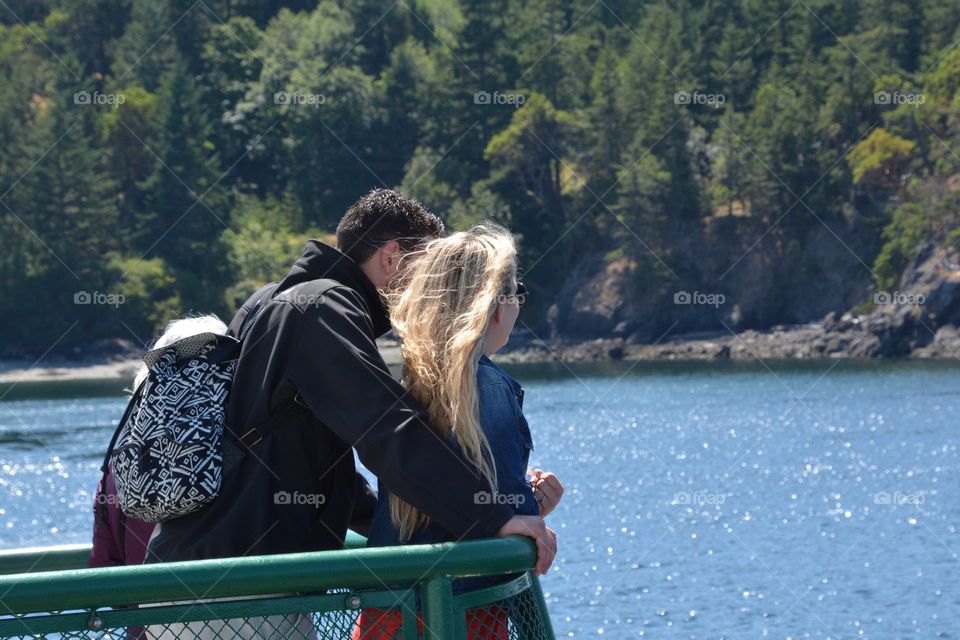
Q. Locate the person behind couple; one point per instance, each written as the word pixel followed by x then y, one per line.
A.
pixel 311 340
pixel 119 539
pixel 459 306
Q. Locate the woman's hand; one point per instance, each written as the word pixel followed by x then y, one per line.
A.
pixel 546 489
pixel 534 527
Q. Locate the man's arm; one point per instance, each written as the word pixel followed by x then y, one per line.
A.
pixel 342 378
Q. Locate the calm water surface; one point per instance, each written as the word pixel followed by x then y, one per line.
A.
pixel 819 500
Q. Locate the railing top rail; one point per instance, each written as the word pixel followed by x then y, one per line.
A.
pixel 35 551
pixel 35 559
pixel 255 575
pixel 75 556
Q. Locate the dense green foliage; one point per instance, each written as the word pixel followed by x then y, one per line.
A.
pixel 216 136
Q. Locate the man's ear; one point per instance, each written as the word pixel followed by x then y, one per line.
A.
pixel 390 255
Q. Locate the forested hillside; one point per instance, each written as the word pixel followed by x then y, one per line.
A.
pixel 786 158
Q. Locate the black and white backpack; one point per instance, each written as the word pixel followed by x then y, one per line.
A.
pixel 172 447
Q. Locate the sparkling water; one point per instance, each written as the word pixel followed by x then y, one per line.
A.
pixel 813 500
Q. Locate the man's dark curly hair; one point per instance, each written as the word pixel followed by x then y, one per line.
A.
pixel 381 216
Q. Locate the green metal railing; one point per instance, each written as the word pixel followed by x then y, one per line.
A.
pixel 360 593
pixel 74 556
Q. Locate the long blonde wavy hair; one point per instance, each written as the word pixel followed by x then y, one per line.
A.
pixel 452 289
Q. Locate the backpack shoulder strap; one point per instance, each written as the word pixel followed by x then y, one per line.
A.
pixel 268 294
pixel 248 320
pixel 255 434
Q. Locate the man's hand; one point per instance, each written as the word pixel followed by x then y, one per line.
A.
pixel 546 489
pixel 534 527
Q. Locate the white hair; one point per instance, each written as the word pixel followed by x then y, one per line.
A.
pixel 180 329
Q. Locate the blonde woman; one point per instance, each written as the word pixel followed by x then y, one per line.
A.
pixel 460 305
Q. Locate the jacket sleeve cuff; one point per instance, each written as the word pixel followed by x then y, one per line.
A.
pixel 493 520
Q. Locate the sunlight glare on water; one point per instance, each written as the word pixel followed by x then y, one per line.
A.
pixel 702 501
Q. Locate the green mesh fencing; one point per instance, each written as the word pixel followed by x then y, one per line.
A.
pixel 359 594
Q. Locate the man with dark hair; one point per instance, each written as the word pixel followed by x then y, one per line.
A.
pixel 384 215
pixel 309 351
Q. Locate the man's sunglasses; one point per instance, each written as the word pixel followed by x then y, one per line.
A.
pixel 402 239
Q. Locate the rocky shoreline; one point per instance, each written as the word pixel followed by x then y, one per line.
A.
pixel 857 337
pixel 847 336
pixel 920 320
pixel 122 361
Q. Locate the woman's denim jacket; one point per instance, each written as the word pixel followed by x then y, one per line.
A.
pixel 501 418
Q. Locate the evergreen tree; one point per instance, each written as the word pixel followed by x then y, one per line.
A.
pixel 186 207
pixel 145 50
pixel 89 29
pixel 63 215
pixel 688 128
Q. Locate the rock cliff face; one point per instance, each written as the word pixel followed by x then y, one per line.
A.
pixel 597 300
pixel 919 318
pixel 603 313
pixel 922 316
pixel 638 296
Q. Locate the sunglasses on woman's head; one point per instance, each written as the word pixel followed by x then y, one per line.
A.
pixel 521 293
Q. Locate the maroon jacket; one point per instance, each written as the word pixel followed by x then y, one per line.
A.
pixel 117 539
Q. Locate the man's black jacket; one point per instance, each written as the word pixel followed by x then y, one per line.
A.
pixel 298 489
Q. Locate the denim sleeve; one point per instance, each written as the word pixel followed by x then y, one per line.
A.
pixel 509 436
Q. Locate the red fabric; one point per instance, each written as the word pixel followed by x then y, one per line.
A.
pixel 485 623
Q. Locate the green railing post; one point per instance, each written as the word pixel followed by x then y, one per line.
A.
pixel 542 606
pixel 438 622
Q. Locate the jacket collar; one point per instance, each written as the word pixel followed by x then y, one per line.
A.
pixel 320 260
pixel 485 361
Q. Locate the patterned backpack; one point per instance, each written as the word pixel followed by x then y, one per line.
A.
pixel 172 448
